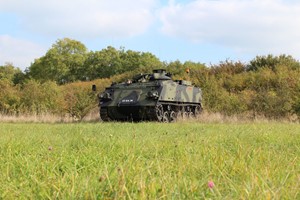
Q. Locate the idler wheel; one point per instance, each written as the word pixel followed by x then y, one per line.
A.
pixel 198 111
pixel 104 115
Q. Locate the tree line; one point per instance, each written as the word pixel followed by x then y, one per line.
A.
pixel 60 81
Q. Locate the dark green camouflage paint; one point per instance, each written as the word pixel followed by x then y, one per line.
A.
pixel 136 99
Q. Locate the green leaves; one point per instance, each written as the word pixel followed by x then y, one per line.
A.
pixel 62 63
pixel 69 60
pixel 110 61
pixel 272 62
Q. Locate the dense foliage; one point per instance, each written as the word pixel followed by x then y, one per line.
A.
pixel 69 60
pixel 59 82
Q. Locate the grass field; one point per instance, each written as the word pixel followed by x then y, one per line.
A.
pixel 150 161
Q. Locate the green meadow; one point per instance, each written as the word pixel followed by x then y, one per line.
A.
pixel 181 160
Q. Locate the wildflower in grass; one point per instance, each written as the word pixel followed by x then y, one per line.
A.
pixel 211 184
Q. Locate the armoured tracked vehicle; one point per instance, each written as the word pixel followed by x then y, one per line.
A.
pixel 150 97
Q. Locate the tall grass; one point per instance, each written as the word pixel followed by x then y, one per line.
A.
pixel 93 116
pixel 149 161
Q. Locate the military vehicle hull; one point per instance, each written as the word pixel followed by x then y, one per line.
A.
pixel 150 97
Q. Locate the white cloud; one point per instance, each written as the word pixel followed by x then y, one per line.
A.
pixel 83 18
pixel 256 26
pixel 18 52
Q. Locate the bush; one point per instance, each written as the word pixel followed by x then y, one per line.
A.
pixel 39 98
pixel 9 98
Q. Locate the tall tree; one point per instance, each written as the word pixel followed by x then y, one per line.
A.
pixel 102 64
pixel 143 61
pixel 61 63
pixel 111 61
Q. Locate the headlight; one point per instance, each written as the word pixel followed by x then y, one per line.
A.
pixel 152 94
pixel 105 96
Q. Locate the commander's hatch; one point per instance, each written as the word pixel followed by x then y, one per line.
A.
pixel 184 82
pixel 160 74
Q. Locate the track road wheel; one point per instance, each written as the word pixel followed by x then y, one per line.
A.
pixel 173 116
pixel 179 115
pixel 191 115
pixel 185 115
pixel 165 118
pixel 159 111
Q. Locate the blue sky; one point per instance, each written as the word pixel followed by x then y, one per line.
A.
pixel 206 31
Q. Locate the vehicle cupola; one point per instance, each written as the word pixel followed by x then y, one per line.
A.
pixel 160 74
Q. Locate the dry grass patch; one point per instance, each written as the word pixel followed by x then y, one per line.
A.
pixel 93 116
pixel 42 118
